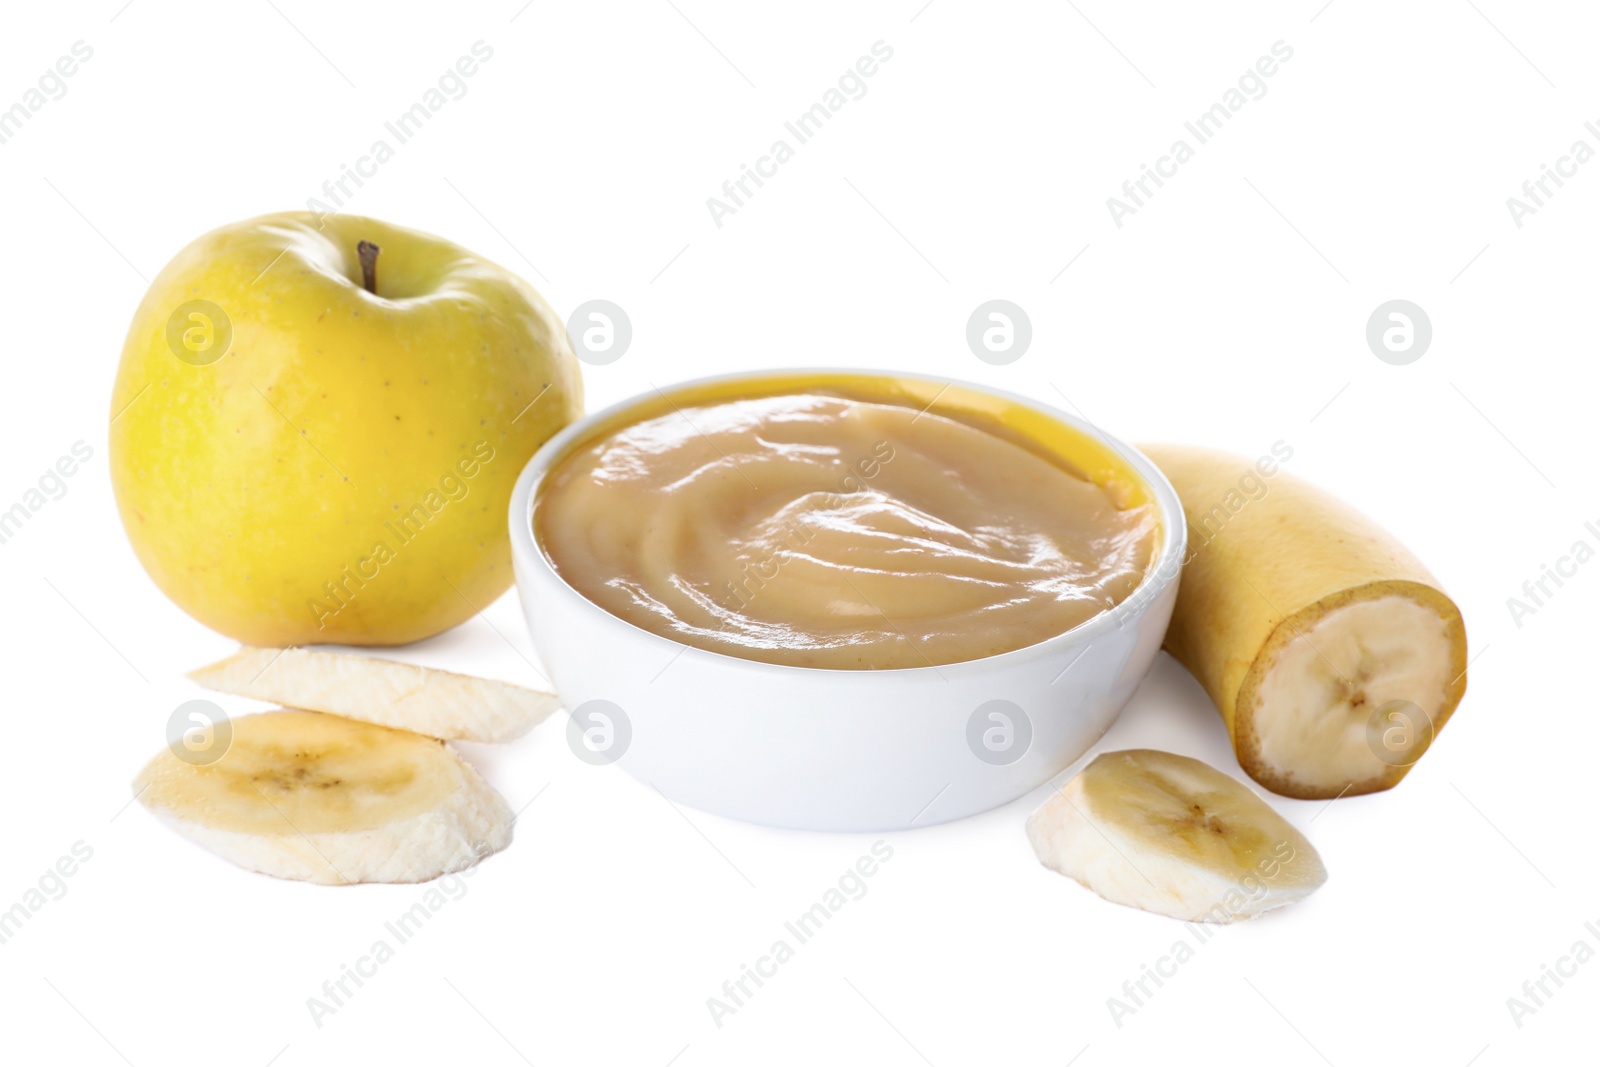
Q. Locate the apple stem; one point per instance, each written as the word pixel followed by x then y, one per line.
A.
pixel 367 252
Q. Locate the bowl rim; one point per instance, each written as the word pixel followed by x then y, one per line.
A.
pixel 1162 571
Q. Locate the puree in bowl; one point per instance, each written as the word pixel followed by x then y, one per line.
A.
pixel 819 530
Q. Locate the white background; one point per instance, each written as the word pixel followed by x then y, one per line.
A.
pixel 1229 311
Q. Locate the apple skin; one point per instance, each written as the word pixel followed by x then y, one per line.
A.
pixel 274 493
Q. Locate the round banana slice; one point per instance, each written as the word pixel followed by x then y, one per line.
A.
pixel 456 707
pixel 319 798
pixel 1174 836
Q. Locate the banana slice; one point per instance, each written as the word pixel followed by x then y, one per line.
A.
pixel 456 707
pixel 318 798
pixel 1174 836
pixel 1331 652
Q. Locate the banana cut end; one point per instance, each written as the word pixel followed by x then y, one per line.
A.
pixel 1174 836
pixel 1347 694
pixel 319 798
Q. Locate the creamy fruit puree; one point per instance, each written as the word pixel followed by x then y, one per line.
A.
pixel 823 531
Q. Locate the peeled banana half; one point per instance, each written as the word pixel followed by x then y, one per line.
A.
pixel 1171 835
pixel 321 798
pixel 1332 653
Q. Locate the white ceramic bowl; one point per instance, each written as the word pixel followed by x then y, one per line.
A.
pixel 824 749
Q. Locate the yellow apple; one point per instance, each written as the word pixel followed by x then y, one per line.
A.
pixel 316 427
